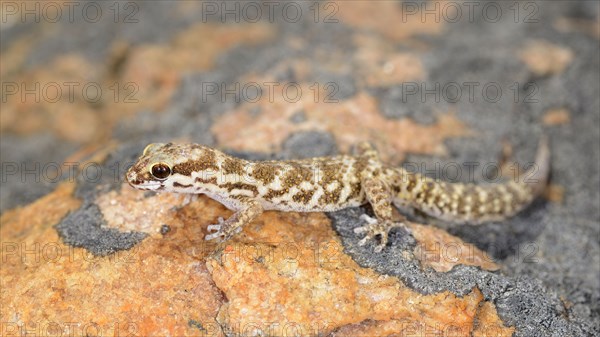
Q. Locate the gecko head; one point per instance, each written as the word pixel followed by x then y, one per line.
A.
pixel 170 166
pixel 152 170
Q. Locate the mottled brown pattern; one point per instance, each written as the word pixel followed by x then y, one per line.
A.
pixel 211 180
pixel 233 166
pixel 303 196
pixel 379 197
pixel 240 186
pixel 517 191
pixel 264 172
pixel 409 181
pixel 330 173
pixel 272 194
pixel 465 203
pixel 207 161
pixel 177 184
pixel 295 174
pixel 355 189
pixel 329 198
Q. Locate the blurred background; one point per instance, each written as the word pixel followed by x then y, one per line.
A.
pixel 251 76
pixel 428 82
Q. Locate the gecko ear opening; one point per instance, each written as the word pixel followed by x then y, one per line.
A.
pixel 151 147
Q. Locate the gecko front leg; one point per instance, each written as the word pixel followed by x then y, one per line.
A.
pixel 189 198
pixel 249 210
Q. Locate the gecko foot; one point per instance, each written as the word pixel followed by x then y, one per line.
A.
pixel 224 230
pixel 373 228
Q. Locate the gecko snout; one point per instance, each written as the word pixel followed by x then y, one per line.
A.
pixel 132 178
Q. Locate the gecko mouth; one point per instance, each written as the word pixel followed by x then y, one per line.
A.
pixel 149 185
pixel 136 182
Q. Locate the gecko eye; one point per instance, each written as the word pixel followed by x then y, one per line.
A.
pixel 161 171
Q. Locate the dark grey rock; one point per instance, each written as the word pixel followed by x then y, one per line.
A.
pixel 84 228
pixel 29 167
pixel 308 144
pixel 521 301
pixel 298 117
pixel 335 87
pixel 405 101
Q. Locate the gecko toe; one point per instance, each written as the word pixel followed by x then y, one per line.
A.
pixel 211 228
pixel 382 242
pixel 218 232
pixel 376 229
pixel 360 230
pixel 368 219
pixel 223 230
pixel 212 236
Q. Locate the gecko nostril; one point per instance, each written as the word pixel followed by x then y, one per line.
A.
pixel 133 180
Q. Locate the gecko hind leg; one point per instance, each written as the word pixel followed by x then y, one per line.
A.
pixel 379 197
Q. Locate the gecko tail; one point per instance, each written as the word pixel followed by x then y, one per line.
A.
pixel 518 193
pixel 536 177
pixel 476 204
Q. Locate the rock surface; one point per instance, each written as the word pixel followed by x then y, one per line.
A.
pixel 85 254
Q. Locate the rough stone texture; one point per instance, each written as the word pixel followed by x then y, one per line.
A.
pixel 177 284
pixel 153 289
pixel 319 144
pixel 83 228
pixel 19 188
pixel 304 272
pixel 350 121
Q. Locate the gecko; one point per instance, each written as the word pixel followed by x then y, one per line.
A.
pixel 326 184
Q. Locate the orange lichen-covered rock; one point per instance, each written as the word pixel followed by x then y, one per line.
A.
pixel 441 251
pixel 81 101
pixel 350 121
pixel 285 272
pixel 544 58
pixel 389 14
pixel 488 324
pixel 557 117
pixel 159 287
pixel 288 272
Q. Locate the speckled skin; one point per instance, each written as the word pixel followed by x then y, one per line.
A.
pixel 329 184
